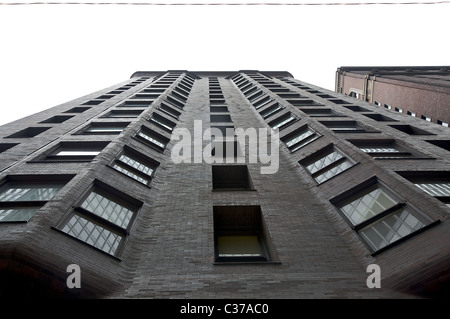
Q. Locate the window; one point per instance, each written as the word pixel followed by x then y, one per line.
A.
pixel 162 122
pixel 28 132
pixel 386 149
pixel 411 130
pixel 135 165
pixel 326 164
pixel 57 119
pixel 218 109
pixel 413 114
pixel 299 138
pixel 261 102
pixel 231 177
pixel 434 183
pixel 444 144
pixel 271 110
pixel 105 128
pixel 152 139
pixel 240 235
pixel 220 118
pixel 136 103
pixel 78 109
pixel 226 150
pixel 102 219
pixel 283 121
pixel 344 126
pixel 380 118
pixel 426 118
pixel 378 216
pixel 22 196
pixel 442 123
pixel 169 111
pixel 73 152
pixel 322 112
pixel 355 108
pixel 123 114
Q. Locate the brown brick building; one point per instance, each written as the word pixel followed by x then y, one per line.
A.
pixel 422 92
pixel 101 182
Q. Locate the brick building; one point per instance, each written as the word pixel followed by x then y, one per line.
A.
pixel 422 92
pixel 101 182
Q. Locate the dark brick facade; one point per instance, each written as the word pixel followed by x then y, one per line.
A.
pixel 168 249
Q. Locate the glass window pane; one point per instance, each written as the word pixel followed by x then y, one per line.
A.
pixel 92 234
pixel 435 189
pixel 239 246
pixel 323 162
pixel 390 229
pixel 368 206
pixel 333 171
pixel 107 209
pixel 379 150
pixel 131 174
pixel 151 139
pixel 136 164
pixel 17 214
pixel 299 137
pixel 32 192
pixel 77 153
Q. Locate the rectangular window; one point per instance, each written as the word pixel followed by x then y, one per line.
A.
pixel 386 149
pixel 378 216
pixel 169 111
pixel 271 110
pixel 299 138
pixel 135 165
pixel 220 118
pixel 152 139
pixel 240 235
pixel 123 114
pixel 21 197
pixel 283 121
pixel 105 128
pixel 326 164
pixel 102 219
pixel 344 126
pixel 231 177
pixel 433 183
pixel 73 152
pixel 162 122
pixel 28 132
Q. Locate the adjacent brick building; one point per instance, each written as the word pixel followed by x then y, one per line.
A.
pixel 96 182
pixel 419 91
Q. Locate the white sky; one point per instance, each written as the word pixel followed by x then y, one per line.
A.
pixel 51 54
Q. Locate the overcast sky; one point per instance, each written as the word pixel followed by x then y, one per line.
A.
pixel 51 54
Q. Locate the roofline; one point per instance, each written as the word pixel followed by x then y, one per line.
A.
pixel 212 73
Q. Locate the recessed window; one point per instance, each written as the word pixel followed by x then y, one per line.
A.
pixel 319 112
pixel 169 111
pixel 226 150
pixel 344 126
pixel 152 139
pixel 356 108
pixel 102 219
pixel 123 114
pixel 174 102
pixel 304 102
pixel 271 110
pixel 413 114
pixel 28 132
pixel 57 119
pixel 326 164
pixel 426 118
pixel 218 109
pixel 135 165
pixel 136 103
pixel 231 177
pixel 240 235
pixel 100 128
pixel 283 121
pixel 299 138
pixel 379 216
pixel 442 123
pixel 21 197
pixel 93 102
pixel 262 102
pixel 73 152
pixel 411 130
pixel 162 122
pixel 226 130
pixel 445 144
pixel 380 118
pixel 386 149
pixel 78 109
pixel 434 183
pixel 220 118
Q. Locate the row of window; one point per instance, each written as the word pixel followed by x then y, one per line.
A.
pixel 410 113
